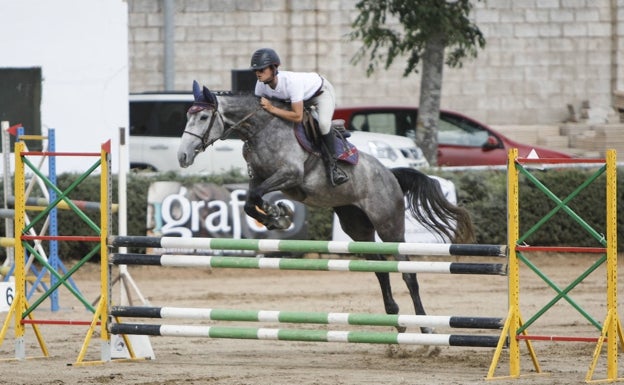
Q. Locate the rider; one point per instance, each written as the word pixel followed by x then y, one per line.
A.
pixel 299 88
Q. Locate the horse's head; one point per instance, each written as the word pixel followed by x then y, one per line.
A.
pixel 204 125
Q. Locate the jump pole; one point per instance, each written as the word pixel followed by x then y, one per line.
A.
pixel 513 319
pixel 20 303
pixel 177 260
pixel 8 187
pixel 306 335
pixel 125 279
pixel 612 327
pixel 127 285
pixel 332 247
pixel 100 317
pixel 395 320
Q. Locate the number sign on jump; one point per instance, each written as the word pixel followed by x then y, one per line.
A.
pixel 7 292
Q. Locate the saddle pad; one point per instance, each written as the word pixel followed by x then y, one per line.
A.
pixel 343 150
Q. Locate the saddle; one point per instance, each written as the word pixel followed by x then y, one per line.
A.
pixel 309 137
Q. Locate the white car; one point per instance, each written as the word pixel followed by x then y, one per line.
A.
pixel 158 119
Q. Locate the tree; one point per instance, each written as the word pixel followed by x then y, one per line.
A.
pixel 428 29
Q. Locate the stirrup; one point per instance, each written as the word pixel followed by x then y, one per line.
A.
pixel 337 176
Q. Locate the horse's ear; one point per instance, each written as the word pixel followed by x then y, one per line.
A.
pixel 197 93
pixel 210 97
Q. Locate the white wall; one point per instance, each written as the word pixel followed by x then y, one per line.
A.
pixel 82 49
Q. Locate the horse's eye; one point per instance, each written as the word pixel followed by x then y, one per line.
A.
pixel 203 117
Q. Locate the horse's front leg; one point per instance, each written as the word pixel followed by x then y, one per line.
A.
pixel 253 206
pixel 273 216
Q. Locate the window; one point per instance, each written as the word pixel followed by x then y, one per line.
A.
pixel 158 118
pixel 400 122
pixel 454 130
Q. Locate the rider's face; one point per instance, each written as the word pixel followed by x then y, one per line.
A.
pixel 264 74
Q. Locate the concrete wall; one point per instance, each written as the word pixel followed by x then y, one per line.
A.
pixel 82 50
pixel 541 55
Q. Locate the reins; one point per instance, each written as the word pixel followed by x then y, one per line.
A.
pixel 239 123
pixel 201 106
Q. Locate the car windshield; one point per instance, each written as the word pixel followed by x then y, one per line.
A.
pixel 400 123
pixel 452 130
pixel 455 130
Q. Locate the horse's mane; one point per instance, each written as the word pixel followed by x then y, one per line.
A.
pixel 233 93
pixel 250 94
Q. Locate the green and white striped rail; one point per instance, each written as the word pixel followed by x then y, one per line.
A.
pixel 305 335
pixel 183 260
pixel 396 320
pixel 302 246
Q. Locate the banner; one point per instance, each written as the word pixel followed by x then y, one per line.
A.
pixel 213 211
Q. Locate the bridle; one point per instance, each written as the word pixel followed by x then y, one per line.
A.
pixel 200 106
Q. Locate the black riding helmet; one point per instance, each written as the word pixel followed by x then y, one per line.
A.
pixel 263 58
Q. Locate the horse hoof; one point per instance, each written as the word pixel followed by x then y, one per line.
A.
pixel 285 211
pixel 428 351
pixel 278 223
pixel 270 226
pixel 434 351
pixel 281 223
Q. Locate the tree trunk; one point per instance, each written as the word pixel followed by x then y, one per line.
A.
pixel 430 92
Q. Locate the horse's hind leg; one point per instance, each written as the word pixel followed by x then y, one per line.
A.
pixel 357 225
pixel 390 304
pixel 411 281
pixel 393 230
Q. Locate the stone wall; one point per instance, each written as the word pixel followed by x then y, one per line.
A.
pixel 541 55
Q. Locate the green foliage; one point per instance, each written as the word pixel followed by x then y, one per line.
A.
pixel 320 223
pixel 583 225
pixel 484 194
pixel 421 21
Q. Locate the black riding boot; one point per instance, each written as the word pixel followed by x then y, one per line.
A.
pixel 335 174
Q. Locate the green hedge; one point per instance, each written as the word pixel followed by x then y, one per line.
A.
pixel 483 193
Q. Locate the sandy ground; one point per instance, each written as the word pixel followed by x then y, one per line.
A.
pixel 240 362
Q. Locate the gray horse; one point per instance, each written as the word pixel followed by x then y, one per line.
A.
pixel 372 200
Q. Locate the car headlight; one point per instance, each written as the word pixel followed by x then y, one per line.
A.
pixel 382 150
pixel 413 153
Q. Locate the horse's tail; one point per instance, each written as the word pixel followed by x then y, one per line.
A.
pixel 426 202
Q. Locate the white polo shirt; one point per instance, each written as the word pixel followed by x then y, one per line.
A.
pixel 292 86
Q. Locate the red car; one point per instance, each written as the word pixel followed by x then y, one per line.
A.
pixel 461 141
